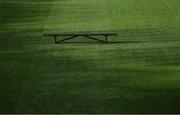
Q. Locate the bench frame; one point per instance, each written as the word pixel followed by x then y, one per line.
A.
pixel 86 35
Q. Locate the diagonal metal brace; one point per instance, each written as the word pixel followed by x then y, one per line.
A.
pixel 64 39
pixel 93 38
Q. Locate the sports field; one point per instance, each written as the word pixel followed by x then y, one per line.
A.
pixel 139 73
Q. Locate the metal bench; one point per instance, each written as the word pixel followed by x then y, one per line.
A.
pixel 90 35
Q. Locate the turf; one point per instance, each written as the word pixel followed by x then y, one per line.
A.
pixel 140 73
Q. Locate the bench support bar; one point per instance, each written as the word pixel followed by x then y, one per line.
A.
pixel 60 41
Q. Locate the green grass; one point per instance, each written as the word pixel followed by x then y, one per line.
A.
pixel 139 75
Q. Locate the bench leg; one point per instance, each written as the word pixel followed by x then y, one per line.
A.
pixel 106 39
pixel 55 39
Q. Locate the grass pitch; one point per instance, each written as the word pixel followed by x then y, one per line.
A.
pixel 140 74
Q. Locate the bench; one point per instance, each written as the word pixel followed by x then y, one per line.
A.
pixel 90 35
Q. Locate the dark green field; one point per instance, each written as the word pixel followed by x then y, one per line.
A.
pixel 140 73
